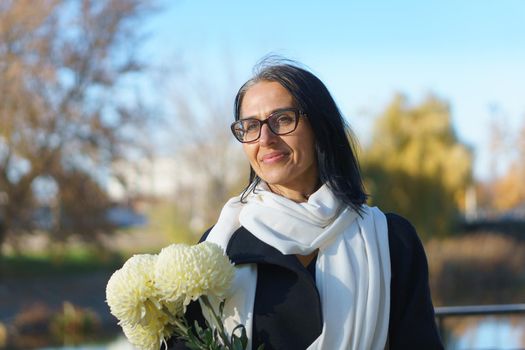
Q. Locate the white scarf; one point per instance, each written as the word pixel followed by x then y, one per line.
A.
pixel 352 267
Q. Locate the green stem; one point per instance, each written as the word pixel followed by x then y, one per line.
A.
pixel 218 321
pixel 180 325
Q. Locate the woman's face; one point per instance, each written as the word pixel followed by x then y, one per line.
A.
pixel 287 162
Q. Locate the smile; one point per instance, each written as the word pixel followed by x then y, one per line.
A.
pixel 273 157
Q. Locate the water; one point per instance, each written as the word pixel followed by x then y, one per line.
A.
pixel 489 333
pixel 494 333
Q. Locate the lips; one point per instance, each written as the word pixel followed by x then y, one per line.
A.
pixel 273 157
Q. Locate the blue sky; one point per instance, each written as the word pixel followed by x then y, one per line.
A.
pixel 471 53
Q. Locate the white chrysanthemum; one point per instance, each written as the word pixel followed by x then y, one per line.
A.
pixel 185 272
pixel 147 337
pixel 131 293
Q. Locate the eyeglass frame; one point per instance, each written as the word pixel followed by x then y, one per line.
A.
pixel 298 113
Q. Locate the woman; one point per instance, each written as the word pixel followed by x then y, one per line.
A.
pixel 316 267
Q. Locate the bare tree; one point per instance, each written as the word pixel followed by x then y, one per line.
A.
pixel 63 114
pixel 507 189
pixel 202 106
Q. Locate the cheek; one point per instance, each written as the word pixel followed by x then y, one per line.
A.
pixel 309 154
pixel 250 152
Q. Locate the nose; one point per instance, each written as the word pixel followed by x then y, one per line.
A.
pixel 267 136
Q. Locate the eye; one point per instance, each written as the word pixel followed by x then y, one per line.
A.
pixel 284 119
pixel 250 126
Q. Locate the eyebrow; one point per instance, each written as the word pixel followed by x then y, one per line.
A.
pixel 272 112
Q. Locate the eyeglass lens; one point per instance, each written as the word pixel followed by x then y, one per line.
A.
pixel 280 123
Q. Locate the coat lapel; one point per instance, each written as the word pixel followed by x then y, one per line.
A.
pixel 287 308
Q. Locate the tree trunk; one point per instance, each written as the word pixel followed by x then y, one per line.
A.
pixel 3 233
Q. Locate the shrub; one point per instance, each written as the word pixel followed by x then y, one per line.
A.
pixel 481 268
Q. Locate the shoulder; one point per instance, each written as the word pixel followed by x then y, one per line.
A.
pixel 400 227
pixel 412 323
pixel 402 237
pixel 408 261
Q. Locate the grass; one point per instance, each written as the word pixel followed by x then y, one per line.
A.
pixel 73 261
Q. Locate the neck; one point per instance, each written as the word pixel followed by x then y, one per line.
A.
pixel 297 194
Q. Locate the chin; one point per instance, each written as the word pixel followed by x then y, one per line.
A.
pixel 275 180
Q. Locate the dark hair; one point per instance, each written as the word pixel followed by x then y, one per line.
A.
pixel 334 144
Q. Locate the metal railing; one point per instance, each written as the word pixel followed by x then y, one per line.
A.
pixel 475 310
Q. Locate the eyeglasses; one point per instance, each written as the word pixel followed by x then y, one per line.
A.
pixel 280 122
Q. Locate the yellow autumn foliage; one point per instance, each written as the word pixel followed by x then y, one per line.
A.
pixel 416 165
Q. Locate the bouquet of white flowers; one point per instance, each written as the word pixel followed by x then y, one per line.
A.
pixel 150 293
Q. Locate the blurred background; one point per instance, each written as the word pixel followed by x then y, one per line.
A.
pixel 114 140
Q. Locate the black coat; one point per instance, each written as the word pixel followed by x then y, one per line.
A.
pixel 287 308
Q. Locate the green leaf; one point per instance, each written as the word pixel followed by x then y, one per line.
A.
pixel 243 338
pixel 209 336
pixel 197 327
pixel 237 344
pixel 221 307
